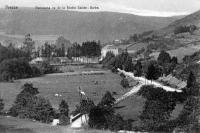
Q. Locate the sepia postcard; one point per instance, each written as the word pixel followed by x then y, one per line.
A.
pixel 99 66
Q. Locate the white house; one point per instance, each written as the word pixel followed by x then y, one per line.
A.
pixel 110 48
pixel 79 120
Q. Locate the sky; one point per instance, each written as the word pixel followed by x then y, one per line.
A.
pixel 163 8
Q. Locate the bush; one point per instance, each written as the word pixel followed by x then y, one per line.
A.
pixel 125 83
pixel 64 113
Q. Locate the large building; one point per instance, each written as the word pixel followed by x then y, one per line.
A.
pixel 110 48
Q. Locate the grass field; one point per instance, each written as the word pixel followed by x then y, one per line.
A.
pixel 94 86
pixel 66 84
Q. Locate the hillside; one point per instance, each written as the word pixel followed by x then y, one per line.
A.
pixel 192 19
pixel 78 26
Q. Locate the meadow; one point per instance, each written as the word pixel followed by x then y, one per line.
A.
pixel 66 85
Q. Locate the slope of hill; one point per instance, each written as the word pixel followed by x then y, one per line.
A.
pixel 78 26
pixel 192 19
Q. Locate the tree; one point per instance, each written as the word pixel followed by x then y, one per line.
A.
pixel 1 105
pixel 85 106
pixel 174 60
pixel 192 87
pixel 97 118
pixel 191 81
pixel 64 113
pixel 29 105
pixel 154 115
pixel 107 100
pixel 24 101
pixel 42 109
pixel 164 58
pixel 153 73
pixel 158 107
pixel 188 119
pixel 28 88
pixel 138 69
pixel 29 45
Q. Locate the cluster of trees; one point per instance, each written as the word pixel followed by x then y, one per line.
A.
pixel 48 50
pixel 160 104
pixel 183 29
pixel 167 62
pixel 30 105
pixel 102 115
pixel 10 52
pixel 122 61
pixel 14 64
pixel 87 49
pixel 12 69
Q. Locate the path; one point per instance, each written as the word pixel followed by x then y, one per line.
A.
pixel 142 81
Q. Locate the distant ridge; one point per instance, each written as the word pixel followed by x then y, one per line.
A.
pixel 79 26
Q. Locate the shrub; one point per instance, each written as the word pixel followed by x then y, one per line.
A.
pixel 125 83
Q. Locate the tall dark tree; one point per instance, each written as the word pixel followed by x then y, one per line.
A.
pixel 192 86
pixel 64 113
pixel 84 108
pixel 152 72
pixel 64 108
pixel 138 69
pixel 164 57
pixel 174 60
pixel 191 81
pixel 1 105
pixel 29 45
